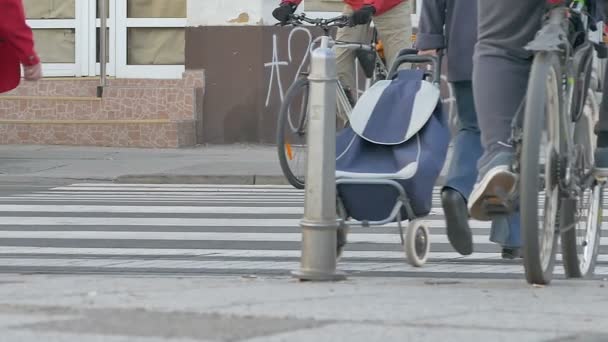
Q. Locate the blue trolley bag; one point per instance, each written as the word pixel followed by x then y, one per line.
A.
pixel 397 132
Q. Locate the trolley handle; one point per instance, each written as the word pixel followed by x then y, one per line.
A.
pixel 412 56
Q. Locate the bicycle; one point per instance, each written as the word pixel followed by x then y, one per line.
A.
pixel 293 114
pixel 557 164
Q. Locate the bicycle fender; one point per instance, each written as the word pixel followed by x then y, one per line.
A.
pixel 551 38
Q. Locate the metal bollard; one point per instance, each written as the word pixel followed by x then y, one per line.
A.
pixel 320 222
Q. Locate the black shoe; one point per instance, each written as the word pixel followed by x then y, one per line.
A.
pixel 341 241
pixel 511 253
pixel 601 162
pixel 349 96
pixel 457 219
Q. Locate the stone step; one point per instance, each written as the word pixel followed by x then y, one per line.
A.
pixel 48 98
pixel 117 104
pixel 131 113
pixel 111 133
pixel 87 86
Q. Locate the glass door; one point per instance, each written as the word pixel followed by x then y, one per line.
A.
pixel 60 32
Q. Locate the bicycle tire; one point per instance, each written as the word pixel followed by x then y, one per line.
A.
pixel 579 251
pixel 537 264
pixel 283 147
pixel 580 258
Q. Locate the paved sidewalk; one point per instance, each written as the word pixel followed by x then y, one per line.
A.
pixel 234 164
pixel 214 164
pixel 107 308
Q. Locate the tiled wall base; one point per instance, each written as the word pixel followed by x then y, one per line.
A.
pixel 132 113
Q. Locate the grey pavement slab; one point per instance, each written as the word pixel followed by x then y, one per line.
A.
pixel 282 309
pixel 237 164
pixel 213 164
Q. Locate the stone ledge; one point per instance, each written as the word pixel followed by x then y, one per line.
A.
pixel 85 122
pixel 48 98
pixel 117 134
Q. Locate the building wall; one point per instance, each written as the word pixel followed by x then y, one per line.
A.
pixel 247 66
pixel 230 13
pixel 247 62
pixel 247 72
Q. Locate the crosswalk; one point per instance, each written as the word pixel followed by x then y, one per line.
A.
pixel 210 229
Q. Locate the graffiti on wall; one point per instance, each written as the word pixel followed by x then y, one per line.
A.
pixel 298 50
pixel 293 57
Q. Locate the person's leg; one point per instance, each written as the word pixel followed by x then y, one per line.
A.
pixel 500 78
pixel 505 231
pixel 345 58
pixel 460 178
pixel 395 30
pixel 462 171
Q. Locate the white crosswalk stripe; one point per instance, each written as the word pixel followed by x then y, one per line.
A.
pixel 210 229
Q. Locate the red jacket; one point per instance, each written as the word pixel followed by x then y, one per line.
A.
pixel 16 44
pixel 380 5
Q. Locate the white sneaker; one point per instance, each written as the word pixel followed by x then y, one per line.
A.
pixel 492 189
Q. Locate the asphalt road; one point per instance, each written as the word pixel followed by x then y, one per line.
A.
pixel 106 228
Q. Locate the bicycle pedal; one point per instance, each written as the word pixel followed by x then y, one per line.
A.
pixel 600 178
pixel 494 210
pixel 495 206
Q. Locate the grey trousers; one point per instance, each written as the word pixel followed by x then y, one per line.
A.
pixel 502 66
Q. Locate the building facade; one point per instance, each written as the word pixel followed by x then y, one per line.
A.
pixel 180 73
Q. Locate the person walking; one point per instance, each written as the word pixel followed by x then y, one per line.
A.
pixel 16 47
pixel 451 25
pixel 391 18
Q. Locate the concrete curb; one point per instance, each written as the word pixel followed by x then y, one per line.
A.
pixel 202 179
pixel 210 179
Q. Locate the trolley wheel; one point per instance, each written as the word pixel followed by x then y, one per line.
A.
pixel 417 243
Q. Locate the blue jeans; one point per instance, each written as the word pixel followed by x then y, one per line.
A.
pixel 462 172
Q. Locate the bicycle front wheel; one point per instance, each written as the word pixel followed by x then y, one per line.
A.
pixel 291 133
pixel 292 128
pixel 540 168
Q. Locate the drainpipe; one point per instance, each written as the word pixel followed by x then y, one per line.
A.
pixel 102 46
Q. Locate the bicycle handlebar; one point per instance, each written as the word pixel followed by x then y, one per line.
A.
pixel 349 45
pixel 301 19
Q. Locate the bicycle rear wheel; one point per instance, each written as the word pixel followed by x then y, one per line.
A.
pixel 581 232
pixel 540 168
pixel 582 215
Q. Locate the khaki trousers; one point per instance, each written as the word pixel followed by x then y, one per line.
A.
pixel 394 29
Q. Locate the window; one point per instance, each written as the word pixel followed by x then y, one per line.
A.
pixel 153 34
pixel 145 37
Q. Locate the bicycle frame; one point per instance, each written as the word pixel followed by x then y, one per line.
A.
pixel 554 37
pixel 342 98
pixel 575 130
pixel 345 103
